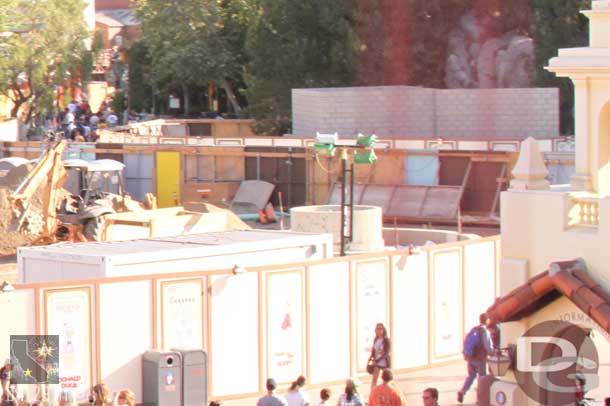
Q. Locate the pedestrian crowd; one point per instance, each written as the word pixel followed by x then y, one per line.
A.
pixel 385 394
pixel 79 123
pixel 379 366
pixel 99 394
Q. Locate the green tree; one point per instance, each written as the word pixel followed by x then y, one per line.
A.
pixel 295 44
pixel 188 43
pixel 559 24
pixel 42 46
pixel 140 89
pixel 236 17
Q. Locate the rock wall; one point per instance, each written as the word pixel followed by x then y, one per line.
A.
pixel 477 60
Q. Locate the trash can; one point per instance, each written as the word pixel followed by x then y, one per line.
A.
pixel 161 378
pixel 194 377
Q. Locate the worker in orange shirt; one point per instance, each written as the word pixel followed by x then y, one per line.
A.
pixel 387 394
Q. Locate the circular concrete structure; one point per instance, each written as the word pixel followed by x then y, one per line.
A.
pixel 327 219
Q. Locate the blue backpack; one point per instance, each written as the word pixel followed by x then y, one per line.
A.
pixel 473 342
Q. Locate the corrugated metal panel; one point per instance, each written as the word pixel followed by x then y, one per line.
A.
pixel 482 186
pixel 138 175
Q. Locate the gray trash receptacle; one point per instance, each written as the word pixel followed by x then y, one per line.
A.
pixel 194 377
pixel 161 378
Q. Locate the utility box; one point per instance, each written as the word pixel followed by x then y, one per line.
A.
pixel 161 378
pixel 194 377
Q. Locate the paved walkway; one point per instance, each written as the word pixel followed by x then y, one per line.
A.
pixel 447 379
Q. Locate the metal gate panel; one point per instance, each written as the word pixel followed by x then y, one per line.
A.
pixel 138 175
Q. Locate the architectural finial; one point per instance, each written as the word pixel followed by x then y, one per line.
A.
pixel 530 172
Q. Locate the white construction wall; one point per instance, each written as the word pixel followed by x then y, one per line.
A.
pixel 313 318
pixel 416 112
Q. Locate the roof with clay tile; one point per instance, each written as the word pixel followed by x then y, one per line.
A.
pixel 567 278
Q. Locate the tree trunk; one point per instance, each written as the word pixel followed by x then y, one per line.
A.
pixel 231 96
pixel 187 100
pixel 16 107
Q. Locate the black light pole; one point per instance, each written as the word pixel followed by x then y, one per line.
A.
pixel 326 143
pixel 347 202
pixel 344 216
pixel 351 202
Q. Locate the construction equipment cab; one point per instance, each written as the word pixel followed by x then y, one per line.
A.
pixel 97 189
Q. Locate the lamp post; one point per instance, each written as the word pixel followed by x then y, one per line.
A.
pixel 325 143
pixel 500 361
pixel 347 209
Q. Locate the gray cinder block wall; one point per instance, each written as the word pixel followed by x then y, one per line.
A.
pixel 416 112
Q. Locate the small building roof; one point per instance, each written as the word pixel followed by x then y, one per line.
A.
pixel 180 246
pixel 117 18
pixel 567 278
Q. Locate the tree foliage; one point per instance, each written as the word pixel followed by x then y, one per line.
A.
pixel 140 79
pixel 193 43
pixel 559 24
pixel 42 46
pixel 295 44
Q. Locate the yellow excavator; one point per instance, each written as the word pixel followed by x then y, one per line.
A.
pixel 76 200
pixel 34 207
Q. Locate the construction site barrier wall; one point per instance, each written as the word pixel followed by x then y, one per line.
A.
pixel 219 168
pixel 313 318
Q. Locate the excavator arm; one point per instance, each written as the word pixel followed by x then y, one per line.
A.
pixel 49 170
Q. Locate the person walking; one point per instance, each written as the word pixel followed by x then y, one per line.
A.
pixel 477 345
pixel 66 398
pixel 100 395
pixel 295 396
pixel 125 397
pixel 350 396
pixel 430 397
pixel 324 396
pixel 271 399
pixel 380 353
pixel 5 381
pixel 386 394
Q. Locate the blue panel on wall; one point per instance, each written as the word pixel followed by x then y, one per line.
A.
pixel 421 170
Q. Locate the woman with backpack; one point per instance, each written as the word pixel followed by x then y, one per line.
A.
pixel 380 353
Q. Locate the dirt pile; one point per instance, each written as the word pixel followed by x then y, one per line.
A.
pixel 10 238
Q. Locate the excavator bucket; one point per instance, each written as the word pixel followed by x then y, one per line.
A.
pixel 35 200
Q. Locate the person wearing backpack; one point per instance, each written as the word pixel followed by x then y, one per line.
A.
pixel 477 345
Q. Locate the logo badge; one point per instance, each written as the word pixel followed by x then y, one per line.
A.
pixel 556 360
pixel 35 359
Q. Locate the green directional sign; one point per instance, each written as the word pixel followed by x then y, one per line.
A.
pixel 366 141
pixel 365 157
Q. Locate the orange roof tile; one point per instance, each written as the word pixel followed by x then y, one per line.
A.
pixel 567 278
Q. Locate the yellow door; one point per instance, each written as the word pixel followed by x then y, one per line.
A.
pixel 168 178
